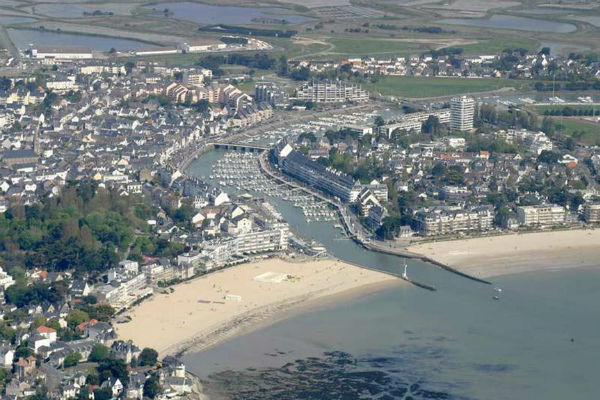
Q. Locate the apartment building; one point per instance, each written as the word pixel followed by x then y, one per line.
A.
pixel 448 221
pixel 414 122
pixel 318 176
pixel 272 94
pixel 220 252
pixel 591 213
pixel 331 92
pixel 462 110
pixel 541 215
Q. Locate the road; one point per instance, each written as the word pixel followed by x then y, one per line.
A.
pixel 7 43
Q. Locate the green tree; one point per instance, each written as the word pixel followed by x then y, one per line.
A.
pixel 129 67
pixel 84 394
pixel 151 388
pixel 455 175
pixel 7 333
pixel 148 357
pixel 300 74
pixel 283 65
pixel 114 368
pixel 93 378
pixel 99 353
pixel 102 394
pixel 549 157
pixel 77 317
pixel 23 351
pixel 432 125
pixel 72 359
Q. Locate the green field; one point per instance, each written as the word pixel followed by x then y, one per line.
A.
pixel 247 87
pixel 416 87
pixel 365 47
pixel 496 45
pixel 585 107
pixel 583 131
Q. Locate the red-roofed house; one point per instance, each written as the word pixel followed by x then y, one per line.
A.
pixel 47 332
pixel 81 327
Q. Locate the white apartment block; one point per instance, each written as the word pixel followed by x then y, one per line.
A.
pixel 414 121
pixel 591 213
pixel 220 252
pixel 462 110
pixel 102 69
pixel 536 142
pixel 331 92
pixel 443 222
pixel 5 279
pixel 542 215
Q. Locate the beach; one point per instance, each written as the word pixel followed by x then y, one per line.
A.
pixel 215 307
pixel 516 253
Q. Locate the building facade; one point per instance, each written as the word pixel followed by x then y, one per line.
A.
pixel 318 176
pixel 272 94
pixel 462 110
pixel 591 213
pixel 449 221
pixel 541 215
pixel 331 92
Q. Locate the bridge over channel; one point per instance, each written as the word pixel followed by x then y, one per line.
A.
pixel 250 148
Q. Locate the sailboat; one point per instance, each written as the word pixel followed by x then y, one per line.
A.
pixel 404 274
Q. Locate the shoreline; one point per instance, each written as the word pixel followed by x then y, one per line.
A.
pixel 219 306
pixel 269 315
pixel 516 253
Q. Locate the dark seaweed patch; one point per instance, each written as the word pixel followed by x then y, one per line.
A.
pixel 335 375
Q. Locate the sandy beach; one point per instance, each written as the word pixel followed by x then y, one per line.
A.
pixel 517 253
pixel 215 307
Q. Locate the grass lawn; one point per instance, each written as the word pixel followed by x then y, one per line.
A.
pixel 247 87
pixel 417 87
pixel 496 45
pixel 543 108
pixel 583 131
pixel 364 47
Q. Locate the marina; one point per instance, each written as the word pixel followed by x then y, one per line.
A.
pixel 241 172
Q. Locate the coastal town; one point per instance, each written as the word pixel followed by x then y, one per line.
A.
pixel 103 213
